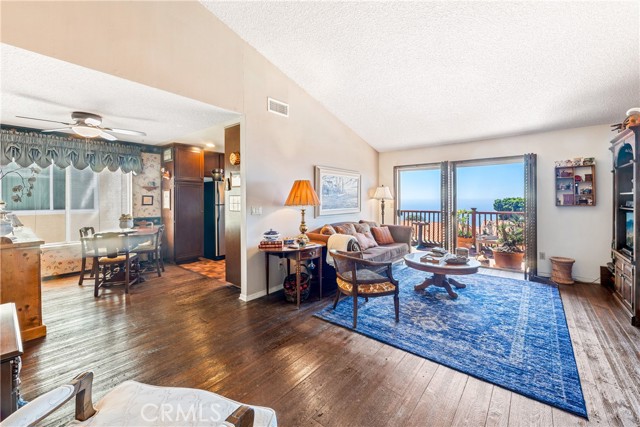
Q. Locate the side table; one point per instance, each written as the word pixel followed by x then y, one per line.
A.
pixel 307 253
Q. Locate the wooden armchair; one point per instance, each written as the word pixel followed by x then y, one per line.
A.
pixel 136 404
pixel 357 277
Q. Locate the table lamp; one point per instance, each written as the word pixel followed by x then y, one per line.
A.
pixel 382 193
pixel 302 194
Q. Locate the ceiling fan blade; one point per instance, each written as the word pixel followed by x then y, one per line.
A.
pixel 126 131
pixel 45 120
pixel 107 136
pixel 56 130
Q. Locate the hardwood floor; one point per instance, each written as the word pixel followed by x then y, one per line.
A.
pixel 185 330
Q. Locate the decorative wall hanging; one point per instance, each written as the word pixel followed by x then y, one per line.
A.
pixel 338 190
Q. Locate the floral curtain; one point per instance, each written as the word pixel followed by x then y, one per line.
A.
pixel 27 148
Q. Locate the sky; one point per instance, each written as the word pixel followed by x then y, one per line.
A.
pixel 477 186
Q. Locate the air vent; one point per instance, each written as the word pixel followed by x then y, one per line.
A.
pixel 278 107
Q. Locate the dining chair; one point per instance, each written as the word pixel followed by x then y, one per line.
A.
pixel 357 277
pixel 153 249
pixel 115 262
pixel 87 252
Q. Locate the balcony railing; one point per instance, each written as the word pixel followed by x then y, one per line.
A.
pixel 482 225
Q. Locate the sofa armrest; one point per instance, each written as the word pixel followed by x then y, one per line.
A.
pixel 401 233
pixel 317 237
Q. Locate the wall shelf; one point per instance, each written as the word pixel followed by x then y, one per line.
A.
pixel 575 185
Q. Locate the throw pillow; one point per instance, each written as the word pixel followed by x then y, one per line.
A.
pixel 365 241
pixel 382 235
pixel 362 228
pixel 371 223
pixel 328 230
pixel 346 228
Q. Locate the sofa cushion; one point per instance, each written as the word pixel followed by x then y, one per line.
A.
pixel 386 253
pixel 328 230
pixel 382 235
pixel 366 241
pixel 346 228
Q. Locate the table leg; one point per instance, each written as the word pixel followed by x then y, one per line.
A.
pixel 445 284
pixel 298 280
pixel 456 283
pixel 320 273
pixel 424 285
pixel 266 262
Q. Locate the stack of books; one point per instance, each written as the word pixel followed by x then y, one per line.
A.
pixel 270 244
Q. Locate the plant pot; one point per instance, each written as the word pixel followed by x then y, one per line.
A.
pixel 510 260
pixel 465 242
pixel 126 223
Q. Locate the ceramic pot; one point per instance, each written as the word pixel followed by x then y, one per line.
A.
pixel 510 260
pixel 126 223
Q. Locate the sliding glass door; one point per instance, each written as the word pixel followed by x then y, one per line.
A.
pixel 419 201
pixel 489 211
pixel 487 205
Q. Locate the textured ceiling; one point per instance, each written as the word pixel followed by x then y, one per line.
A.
pixel 410 74
pixel 39 86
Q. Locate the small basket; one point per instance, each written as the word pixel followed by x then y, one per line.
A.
pixel 289 286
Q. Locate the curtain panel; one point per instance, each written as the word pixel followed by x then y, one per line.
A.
pixel 27 148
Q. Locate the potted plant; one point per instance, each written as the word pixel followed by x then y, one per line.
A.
pixel 509 253
pixel 126 221
pixel 465 237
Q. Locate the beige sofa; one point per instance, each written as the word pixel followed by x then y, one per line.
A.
pixel 390 252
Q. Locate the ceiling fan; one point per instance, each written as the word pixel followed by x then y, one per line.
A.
pixel 88 126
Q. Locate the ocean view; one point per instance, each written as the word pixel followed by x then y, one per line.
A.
pixel 434 205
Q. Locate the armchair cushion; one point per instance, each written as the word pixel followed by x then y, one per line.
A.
pixel 375 288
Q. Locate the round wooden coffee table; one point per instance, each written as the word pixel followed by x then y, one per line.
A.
pixel 441 271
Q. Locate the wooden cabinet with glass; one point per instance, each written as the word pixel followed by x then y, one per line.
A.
pixel 625 232
pixel 576 185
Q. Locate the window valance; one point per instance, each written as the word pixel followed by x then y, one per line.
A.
pixel 26 148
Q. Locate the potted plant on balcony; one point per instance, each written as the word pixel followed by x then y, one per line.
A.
pixel 465 237
pixel 509 253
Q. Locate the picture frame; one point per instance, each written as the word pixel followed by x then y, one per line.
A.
pixel 167 155
pixel 339 191
pixel 147 200
pixel 236 181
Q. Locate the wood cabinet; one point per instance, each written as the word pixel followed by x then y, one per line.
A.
pixel 20 281
pixel 212 161
pixel 183 216
pixel 625 220
pixel 576 185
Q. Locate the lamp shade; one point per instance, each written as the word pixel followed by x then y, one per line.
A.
pixel 302 194
pixel 383 193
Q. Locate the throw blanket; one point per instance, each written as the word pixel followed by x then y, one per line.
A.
pixel 338 242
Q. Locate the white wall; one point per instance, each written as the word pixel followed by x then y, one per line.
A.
pixel 182 48
pixel 582 233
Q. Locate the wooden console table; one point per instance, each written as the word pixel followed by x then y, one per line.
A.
pixel 307 253
pixel 20 281
pixel 10 352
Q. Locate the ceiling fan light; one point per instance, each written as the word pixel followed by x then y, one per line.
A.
pixel 86 131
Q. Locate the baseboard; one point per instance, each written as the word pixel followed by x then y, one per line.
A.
pixel 260 294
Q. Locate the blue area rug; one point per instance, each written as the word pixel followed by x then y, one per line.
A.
pixel 511 333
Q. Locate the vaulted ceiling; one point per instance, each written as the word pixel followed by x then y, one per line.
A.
pixel 411 74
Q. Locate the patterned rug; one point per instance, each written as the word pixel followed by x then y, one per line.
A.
pixel 511 333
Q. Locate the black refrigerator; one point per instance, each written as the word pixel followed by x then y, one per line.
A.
pixel 214 217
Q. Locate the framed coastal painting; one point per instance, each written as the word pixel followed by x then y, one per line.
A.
pixel 338 190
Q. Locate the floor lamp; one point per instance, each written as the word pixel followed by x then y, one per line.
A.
pixel 382 193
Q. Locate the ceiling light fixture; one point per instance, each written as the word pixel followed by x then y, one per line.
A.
pixel 210 144
pixel 86 131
